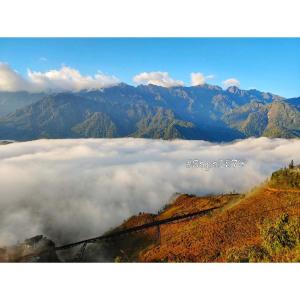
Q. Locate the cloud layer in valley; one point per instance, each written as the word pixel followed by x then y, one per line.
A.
pixel 65 78
pixel 74 189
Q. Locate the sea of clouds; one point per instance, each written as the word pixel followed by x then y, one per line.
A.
pixel 74 189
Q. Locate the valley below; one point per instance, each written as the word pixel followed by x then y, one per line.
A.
pixel 262 225
pixel 75 189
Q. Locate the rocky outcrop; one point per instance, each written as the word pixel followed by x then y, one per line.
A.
pixel 35 249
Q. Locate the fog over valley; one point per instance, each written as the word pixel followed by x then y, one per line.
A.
pixel 73 189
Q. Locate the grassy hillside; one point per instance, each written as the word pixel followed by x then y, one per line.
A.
pixel 287 178
pixel 261 226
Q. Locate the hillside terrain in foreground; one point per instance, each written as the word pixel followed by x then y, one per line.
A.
pixel 262 225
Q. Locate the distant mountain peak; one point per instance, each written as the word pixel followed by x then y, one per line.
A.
pixel 192 112
pixel 233 89
pixel 208 87
pixel 122 84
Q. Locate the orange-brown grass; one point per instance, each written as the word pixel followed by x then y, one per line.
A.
pixel 208 239
pixel 185 204
pixel 127 248
pixel 234 225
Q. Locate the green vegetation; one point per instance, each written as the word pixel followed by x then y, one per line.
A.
pixel 276 119
pixel 280 132
pixel 284 120
pixel 280 242
pixel 162 124
pixel 255 123
pixel 287 178
pixel 281 235
pixel 204 112
pixel 97 125
pixel 248 254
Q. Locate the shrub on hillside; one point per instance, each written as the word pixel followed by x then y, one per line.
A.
pixel 253 253
pixel 286 178
pixel 280 242
pixel 281 234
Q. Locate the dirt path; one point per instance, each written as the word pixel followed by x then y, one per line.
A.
pixel 282 190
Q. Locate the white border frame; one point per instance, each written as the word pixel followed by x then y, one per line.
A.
pixel 140 18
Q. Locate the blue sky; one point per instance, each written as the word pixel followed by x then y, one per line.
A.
pixel 265 64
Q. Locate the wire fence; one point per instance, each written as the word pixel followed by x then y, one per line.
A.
pixel 157 223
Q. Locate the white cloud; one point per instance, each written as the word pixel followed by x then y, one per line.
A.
pixel 11 80
pixel 74 189
pixel 65 78
pixel 231 82
pixel 43 59
pixel 157 78
pixel 199 78
pixel 70 79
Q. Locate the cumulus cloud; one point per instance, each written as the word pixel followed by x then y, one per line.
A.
pixel 231 82
pixel 70 79
pixel 11 80
pixel 199 78
pixel 157 78
pixel 64 79
pixel 75 189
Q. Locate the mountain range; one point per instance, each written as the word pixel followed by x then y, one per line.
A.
pixel 204 112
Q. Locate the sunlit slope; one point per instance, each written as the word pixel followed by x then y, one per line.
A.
pixel 204 112
pixel 243 228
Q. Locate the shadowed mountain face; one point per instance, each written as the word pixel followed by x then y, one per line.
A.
pixel 10 101
pixel 201 112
